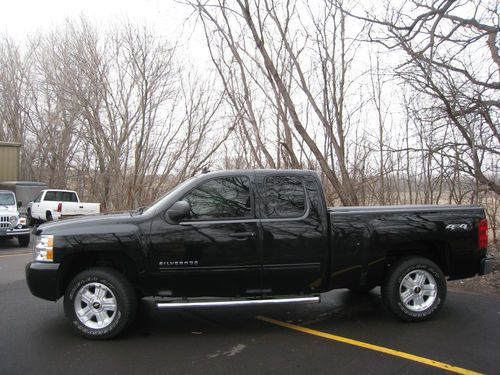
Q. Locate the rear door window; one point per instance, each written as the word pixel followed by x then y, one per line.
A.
pixel 284 197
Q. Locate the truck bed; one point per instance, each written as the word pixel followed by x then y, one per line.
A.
pixel 362 238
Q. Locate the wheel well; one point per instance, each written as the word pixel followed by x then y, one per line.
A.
pixel 437 251
pixel 76 263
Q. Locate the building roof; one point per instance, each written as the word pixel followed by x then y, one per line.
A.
pixel 23 183
pixel 10 144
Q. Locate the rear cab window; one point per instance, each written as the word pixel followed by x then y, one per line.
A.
pixel 60 196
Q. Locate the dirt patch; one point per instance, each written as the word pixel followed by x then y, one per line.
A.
pixel 487 285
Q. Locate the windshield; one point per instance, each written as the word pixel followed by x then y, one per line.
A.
pixel 159 202
pixel 7 199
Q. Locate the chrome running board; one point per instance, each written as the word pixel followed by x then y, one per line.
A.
pixel 230 303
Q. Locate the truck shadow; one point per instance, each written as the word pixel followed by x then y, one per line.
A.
pixel 9 243
pixel 336 307
pixel 340 312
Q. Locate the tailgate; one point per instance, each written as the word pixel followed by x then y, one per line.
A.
pixel 74 208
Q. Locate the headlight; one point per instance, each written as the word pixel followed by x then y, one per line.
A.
pixel 22 221
pixel 43 251
pixel 13 220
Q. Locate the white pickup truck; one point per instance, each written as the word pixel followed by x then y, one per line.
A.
pixel 52 205
pixel 11 223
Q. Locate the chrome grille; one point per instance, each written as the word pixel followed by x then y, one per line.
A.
pixel 4 222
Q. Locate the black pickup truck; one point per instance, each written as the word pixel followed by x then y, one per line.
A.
pixel 253 237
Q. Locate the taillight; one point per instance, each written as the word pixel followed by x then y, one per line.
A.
pixel 482 231
pixel 59 207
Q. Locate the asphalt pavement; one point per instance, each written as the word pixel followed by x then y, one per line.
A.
pixel 344 334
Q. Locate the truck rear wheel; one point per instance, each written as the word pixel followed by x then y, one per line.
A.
pixel 31 220
pixel 415 289
pixel 100 303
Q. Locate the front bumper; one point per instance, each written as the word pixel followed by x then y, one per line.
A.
pixel 486 265
pixel 42 279
pixel 13 232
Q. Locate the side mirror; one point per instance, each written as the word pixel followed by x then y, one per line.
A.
pixel 179 210
pixel 19 204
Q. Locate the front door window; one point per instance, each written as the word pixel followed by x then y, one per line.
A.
pixel 221 198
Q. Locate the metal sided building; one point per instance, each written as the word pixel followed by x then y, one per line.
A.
pixel 9 161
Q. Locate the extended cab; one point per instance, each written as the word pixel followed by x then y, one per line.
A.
pixel 252 237
pixel 11 223
pixel 52 205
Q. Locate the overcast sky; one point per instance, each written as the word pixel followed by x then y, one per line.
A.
pixel 21 17
pixel 167 18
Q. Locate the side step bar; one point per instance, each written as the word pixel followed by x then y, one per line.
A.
pixel 273 301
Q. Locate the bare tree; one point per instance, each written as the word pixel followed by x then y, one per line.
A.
pixel 13 78
pixel 453 63
pixel 112 114
pixel 261 35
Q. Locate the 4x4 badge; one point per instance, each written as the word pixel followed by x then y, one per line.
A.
pixel 455 227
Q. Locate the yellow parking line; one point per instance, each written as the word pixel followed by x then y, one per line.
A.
pixel 365 345
pixel 13 255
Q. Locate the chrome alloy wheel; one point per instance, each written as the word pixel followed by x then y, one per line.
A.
pixel 95 305
pixel 418 290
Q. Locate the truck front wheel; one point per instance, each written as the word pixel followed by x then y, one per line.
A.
pixel 24 240
pixel 415 289
pixel 100 303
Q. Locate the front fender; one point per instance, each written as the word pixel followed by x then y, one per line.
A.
pixel 118 238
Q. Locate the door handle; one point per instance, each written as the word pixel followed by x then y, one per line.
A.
pixel 242 235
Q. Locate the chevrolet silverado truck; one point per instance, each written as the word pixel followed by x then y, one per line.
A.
pixel 11 223
pixel 244 237
pixel 53 205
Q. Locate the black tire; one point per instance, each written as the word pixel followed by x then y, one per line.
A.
pixel 421 282
pixel 116 287
pixel 24 240
pixel 48 215
pixel 31 221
